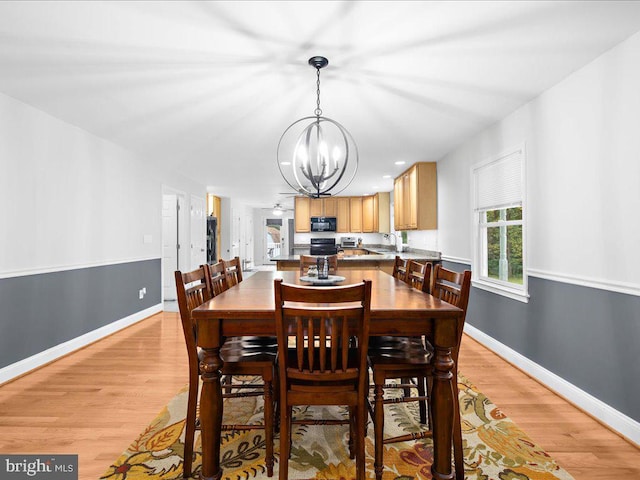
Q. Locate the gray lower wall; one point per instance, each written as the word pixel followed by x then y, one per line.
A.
pixel 587 336
pixel 41 311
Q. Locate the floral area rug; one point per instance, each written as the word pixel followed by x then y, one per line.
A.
pixel 494 447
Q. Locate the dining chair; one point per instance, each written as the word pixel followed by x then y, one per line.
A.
pixel 418 276
pixel 307 260
pixel 217 277
pixel 412 358
pixel 320 367
pixel 240 357
pixel 233 268
pixel 400 268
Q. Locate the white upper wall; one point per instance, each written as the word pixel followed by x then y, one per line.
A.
pixel 582 140
pixel 71 199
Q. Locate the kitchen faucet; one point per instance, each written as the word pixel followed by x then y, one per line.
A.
pixel 389 236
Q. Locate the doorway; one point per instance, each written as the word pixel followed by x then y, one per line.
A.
pixel 274 239
pixel 174 256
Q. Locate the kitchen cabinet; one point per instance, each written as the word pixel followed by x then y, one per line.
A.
pixel 415 198
pixel 343 214
pixel 331 207
pixel 368 214
pixel 375 213
pixel 355 216
pixel 302 214
pixel 316 207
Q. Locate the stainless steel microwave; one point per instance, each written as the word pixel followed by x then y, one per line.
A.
pixel 323 224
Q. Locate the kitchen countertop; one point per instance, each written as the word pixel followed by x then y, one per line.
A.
pixel 380 255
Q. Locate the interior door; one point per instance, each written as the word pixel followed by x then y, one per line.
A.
pixel 169 244
pixel 198 232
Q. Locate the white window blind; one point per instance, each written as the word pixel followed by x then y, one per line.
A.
pixel 498 184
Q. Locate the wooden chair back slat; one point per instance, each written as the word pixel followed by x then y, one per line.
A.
pixel 418 275
pixel 217 278
pixel 308 260
pixel 400 268
pixel 233 269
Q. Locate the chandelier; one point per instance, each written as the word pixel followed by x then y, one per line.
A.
pixel 316 155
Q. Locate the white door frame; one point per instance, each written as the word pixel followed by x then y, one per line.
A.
pixel 168 280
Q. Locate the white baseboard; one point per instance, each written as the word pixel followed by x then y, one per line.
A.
pixel 624 425
pixel 23 366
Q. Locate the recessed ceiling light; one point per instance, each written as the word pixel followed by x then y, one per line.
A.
pixel 375 187
pixel 285 163
pixel 386 176
pixel 400 162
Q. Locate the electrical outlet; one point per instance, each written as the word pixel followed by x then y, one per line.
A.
pixel 141 293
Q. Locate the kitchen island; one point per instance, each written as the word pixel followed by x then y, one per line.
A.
pixel 365 258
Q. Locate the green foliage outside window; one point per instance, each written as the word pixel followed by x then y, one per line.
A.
pixel 513 244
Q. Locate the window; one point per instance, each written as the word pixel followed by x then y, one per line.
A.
pixel 499 214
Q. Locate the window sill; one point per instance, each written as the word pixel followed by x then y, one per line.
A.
pixel 512 293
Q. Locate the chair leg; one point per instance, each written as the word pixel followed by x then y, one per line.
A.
pixel 352 433
pixel 429 383
pixel 361 419
pixel 285 439
pixel 422 404
pixel 458 454
pixel 378 429
pixel 190 427
pixel 406 391
pixel 268 425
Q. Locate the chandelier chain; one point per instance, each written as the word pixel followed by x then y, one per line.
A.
pixel 318 110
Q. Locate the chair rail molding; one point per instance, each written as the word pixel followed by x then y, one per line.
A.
pixel 613 286
pixel 74 266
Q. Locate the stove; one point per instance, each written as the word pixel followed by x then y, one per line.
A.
pixel 323 246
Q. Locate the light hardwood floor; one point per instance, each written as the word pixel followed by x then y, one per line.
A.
pixel 94 402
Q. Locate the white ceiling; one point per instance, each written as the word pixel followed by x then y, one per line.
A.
pixel 207 88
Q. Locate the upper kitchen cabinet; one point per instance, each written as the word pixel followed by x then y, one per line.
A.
pixel 415 198
pixel 355 205
pixel 375 213
pixel 342 213
pixel 353 214
pixel 302 214
pixel 316 207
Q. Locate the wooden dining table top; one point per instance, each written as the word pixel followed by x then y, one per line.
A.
pixel 391 298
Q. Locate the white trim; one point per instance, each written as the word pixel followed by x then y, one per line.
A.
pixel 77 266
pixel 619 287
pixel 621 423
pixel 448 258
pixel 499 289
pixel 39 359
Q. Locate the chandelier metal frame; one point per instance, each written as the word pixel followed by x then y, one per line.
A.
pixel 325 157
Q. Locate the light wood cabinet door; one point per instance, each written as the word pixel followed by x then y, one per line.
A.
pixel 343 214
pixel 411 199
pixel 331 207
pixel 316 207
pixel 398 205
pixel 355 206
pixel 382 206
pixel 302 214
pixel 368 214
pixel 415 198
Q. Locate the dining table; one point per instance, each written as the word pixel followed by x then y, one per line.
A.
pixel 396 310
